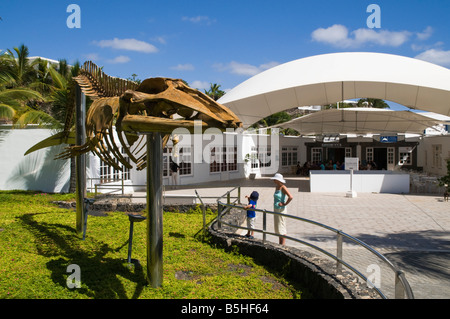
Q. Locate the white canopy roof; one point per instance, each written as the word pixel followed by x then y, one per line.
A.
pixel 360 121
pixel 330 78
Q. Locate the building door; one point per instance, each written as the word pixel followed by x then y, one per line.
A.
pixel 336 154
pixel 380 157
pixel 390 158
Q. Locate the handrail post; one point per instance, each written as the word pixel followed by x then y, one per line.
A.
pixel 239 194
pixel 264 226
pixel 399 290
pixel 228 198
pixel 219 213
pixel 339 252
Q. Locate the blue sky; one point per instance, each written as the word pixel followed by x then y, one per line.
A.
pixel 223 42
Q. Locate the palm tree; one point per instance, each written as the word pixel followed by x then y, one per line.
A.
pixel 17 71
pixel 18 99
pixel 34 92
pixel 276 118
pixel 376 103
pixel 214 92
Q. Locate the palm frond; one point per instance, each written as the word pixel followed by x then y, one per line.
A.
pixel 37 117
pixel 20 94
pixel 58 80
pixel 6 111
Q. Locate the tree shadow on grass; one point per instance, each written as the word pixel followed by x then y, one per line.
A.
pixel 99 274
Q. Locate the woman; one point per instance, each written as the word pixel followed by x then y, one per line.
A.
pixel 280 203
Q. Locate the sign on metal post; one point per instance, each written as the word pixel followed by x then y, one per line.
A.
pixel 351 164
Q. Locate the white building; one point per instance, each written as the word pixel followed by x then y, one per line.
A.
pixel 233 156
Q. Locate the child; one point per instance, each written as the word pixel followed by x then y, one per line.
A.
pixel 251 215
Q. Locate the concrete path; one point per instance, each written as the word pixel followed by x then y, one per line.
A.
pixel 412 231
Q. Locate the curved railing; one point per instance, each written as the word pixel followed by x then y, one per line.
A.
pixel 402 287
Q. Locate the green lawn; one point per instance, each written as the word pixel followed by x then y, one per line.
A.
pixel 38 242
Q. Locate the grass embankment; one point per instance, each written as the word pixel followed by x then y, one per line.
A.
pixel 38 242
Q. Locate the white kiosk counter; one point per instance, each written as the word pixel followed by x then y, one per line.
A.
pixel 363 181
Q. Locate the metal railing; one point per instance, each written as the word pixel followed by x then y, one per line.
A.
pixel 103 184
pixel 226 195
pixel 402 287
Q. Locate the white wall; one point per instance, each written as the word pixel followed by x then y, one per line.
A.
pixel 363 182
pixel 36 171
pixel 426 154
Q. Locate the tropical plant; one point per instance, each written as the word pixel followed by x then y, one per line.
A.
pixel 13 101
pixel 445 180
pixel 376 103
pixel 16 70
pixel 214 91
pixel 366 102
pixel 274 119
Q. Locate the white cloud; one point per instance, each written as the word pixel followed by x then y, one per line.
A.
pixel 243 68
pixel 383 37
pixel 200 85
pixel 199 20
pixel 127 44
pixel 119 59
pixel 339 36
pixel 436 56
pixel 425 34
pixel 424 47
pixel 336 35
pixel 160 39
pixel 183 67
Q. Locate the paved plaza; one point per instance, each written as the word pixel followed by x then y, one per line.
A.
pixel 411 230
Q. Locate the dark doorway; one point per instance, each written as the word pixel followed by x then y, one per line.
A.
pixel 336 154
pixel 380 158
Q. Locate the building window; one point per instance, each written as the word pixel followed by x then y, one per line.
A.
pixel 185 161
pixel 254 161
pixel 223 159
pixel 316 155
pixel 348 152
pixel 390 155
pixel 166 160
pixel 369 154
pixel 232 158
pixel 404 156
pixel 214 163
pixel 437 155
pixel 264 154
pixel 109 173
pixel 105 171
pixel 288 155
